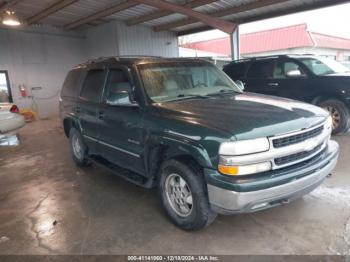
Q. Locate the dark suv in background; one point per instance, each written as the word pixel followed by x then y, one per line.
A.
pixel 317 80
pixel 183 126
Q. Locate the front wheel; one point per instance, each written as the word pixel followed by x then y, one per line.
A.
pixel 183 194
pixel 339 113
pixel 78 148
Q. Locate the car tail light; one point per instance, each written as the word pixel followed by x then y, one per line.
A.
pixel 14 109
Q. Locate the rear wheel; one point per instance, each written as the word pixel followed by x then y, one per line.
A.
pixel 183 194
pixel 339 113
pixel 78 148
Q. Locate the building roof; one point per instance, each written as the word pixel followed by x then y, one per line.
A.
pixel 82 14
pixel 295 36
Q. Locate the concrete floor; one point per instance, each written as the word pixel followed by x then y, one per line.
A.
pixel 50 206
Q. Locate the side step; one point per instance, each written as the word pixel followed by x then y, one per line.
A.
pixel 122 172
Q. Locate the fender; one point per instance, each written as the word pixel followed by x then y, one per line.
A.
pixel 73 121
pixel 171 146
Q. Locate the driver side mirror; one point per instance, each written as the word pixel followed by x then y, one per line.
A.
pixel 121 98
pixel 295 73
pixel 240 84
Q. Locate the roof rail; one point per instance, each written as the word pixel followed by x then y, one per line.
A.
pixel 116 58
pixel 99 59
pixel 132 56
pixel 307 54
pixel 258 58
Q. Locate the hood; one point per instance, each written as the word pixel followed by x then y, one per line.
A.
pixel 245 116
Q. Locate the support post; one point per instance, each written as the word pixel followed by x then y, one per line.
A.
pixel 234 42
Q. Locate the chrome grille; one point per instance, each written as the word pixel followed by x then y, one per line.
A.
pixel 296 157
pixel 294 139
pixel 301 145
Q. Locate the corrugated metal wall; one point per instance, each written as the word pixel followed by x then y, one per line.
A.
pixel 42 58
pixel 116 38
pixel 141 40
pixel 101 41
pixel 35 59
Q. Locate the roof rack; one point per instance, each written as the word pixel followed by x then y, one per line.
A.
pixel 302 54
pixel 99 59
pixel 258 58
pixel 137 56
pixel 116 58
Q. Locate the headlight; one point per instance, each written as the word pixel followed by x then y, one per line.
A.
pixel 236 170
pixel 244 147
pixel 227 150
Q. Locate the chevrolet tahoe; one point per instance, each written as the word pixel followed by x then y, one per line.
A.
pixel 183 126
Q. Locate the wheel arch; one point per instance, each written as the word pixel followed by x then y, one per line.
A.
pixel 161 149
pixel 68 123
pixel 323 97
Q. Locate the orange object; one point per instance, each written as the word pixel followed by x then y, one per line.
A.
pixel 228 170
pixel 29 115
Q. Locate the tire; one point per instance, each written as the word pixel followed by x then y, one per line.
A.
pixel 340 115
pixel 79 155
pixel 192 217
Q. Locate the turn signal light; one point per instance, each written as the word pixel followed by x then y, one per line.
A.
pixel 228 170
pixel 241 170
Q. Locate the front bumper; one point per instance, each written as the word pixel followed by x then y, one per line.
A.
pixel 303 181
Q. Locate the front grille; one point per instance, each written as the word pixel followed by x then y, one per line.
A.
pixel 295 157
pixel 294 139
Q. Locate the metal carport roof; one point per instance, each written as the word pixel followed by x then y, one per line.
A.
pixel 81 14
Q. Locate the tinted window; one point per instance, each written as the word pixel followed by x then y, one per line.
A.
pixel 117 82
pixel 236 71
pixel 93 85
pixel 261 69
pixel 323 66
pixel 71 84
pixel 283 67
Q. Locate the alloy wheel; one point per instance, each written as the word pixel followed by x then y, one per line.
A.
pixel 77 147
pixel 335 116
pixel 179 195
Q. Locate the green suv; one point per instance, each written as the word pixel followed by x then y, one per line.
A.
pixel 183 126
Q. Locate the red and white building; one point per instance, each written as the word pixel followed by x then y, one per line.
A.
pixel 295 39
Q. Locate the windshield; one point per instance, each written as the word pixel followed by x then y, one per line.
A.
pixel 323 66
pixel 181 80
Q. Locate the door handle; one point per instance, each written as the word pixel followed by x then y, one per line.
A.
pixel 101 115
pixel 273 84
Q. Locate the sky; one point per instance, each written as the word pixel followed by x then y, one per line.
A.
pixel 331 20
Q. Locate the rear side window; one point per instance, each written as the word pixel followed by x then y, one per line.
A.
pixel 261 69
pixel 71 85
pixel 93 85
pixel 236 71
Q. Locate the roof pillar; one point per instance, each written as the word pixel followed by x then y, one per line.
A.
pixel 234 42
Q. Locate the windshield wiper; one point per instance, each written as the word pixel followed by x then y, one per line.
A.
pixel 224 91
pixel 192 96
pixel 187 96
